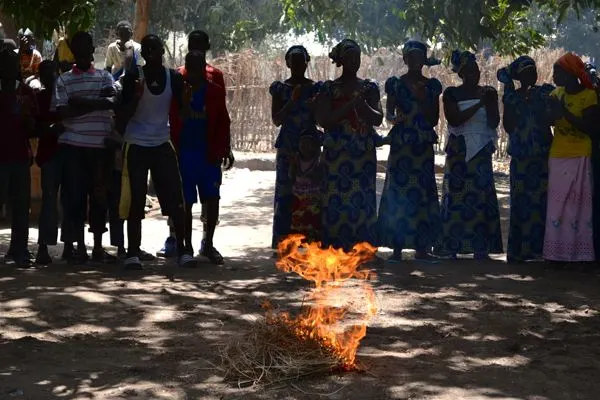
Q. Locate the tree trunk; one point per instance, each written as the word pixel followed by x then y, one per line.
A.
pixel 142 17
pixel 8 29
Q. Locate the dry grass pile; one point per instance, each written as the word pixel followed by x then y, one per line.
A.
pixel 271 352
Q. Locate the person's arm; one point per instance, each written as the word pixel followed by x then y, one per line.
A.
pixel 279 109
pixel 587 122
pixel 61 102
pixel 491 107
pixel 106 101
pixel 30 112
pixel 326 116
pixel 509 119
pixel 370 109
pixel 429 103
pixel 454 115
pixel 109 62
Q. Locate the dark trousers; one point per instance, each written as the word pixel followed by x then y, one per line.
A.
pixel 51 182
pixel 117 237
pixel 161 162
pixel 86 176
pixel 15 191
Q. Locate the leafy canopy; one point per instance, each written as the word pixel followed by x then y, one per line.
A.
pixel 467 24
pixel 506 25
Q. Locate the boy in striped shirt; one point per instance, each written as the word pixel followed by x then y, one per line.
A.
pixel 85 98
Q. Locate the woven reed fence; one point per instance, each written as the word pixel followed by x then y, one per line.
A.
pixel 249 75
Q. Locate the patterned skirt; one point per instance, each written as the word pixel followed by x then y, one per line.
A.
pixel 349 194
pixel 282 216
pixel 569 228
pixel 409 213
pixel 306 214
pixel 528 195
pixel 469 209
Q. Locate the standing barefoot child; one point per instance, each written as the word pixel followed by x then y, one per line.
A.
pixel 306 174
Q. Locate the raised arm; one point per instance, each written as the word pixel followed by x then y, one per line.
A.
pixel 490 98
pixel 369 108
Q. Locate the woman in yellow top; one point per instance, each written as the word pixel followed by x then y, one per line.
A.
pixel 569 232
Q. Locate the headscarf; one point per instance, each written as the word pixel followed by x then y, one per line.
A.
pixel 297 49
pixel 519 65
pixel 575 66
pixel 338 51
pixel 508 74
pixel 460 59
pixel 415 45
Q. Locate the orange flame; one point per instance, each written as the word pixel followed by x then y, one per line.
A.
pixel 342 296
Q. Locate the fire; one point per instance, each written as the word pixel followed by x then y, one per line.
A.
pixel 343 300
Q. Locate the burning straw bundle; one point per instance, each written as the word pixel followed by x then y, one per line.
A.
pixel 280 348
pixel 271 352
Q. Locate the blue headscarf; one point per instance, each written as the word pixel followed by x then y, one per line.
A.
pixel 460 59
pixel 415 45
pixel 520 65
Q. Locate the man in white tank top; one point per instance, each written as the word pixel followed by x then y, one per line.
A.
pixel 148 94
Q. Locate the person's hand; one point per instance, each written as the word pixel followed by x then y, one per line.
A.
pixel 399 116
pixel 229 161
pixel 188 91
pixel 297 93
pixel 139 88
pixel 556 109
pixel 489 96
pixel 108 92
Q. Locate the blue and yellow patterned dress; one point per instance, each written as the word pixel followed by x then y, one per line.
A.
pixel 349 193
pixel 529 147
pixel 469 208
pixel 299 119
pixel 409 213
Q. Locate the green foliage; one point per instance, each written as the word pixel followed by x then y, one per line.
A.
pixel 45 16
pixel 466 24
pixel 232 24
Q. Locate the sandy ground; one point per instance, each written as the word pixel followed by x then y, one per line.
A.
pixel 456 330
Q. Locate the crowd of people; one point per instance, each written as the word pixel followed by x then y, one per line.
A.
pixel 100 133
pixel 103 132
pixel 325 184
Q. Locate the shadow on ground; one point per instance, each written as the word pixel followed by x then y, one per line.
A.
pixel 461 330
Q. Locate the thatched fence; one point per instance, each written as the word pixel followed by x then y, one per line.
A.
pixel 249 75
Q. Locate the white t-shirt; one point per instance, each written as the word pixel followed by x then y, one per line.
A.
pixel 115 57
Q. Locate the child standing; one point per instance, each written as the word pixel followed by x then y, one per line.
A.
pixel 17 110
pixel 306 173
pixel 204 145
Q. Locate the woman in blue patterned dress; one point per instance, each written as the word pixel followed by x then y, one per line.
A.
pixel 349 108
pixel 469 209
pixel 527 123
pixel 409 213
pixel 291 111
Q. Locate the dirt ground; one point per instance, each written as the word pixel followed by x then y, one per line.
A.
pixel 457 330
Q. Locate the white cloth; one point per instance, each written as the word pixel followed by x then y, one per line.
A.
pixel 476 131
pixel 149 126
